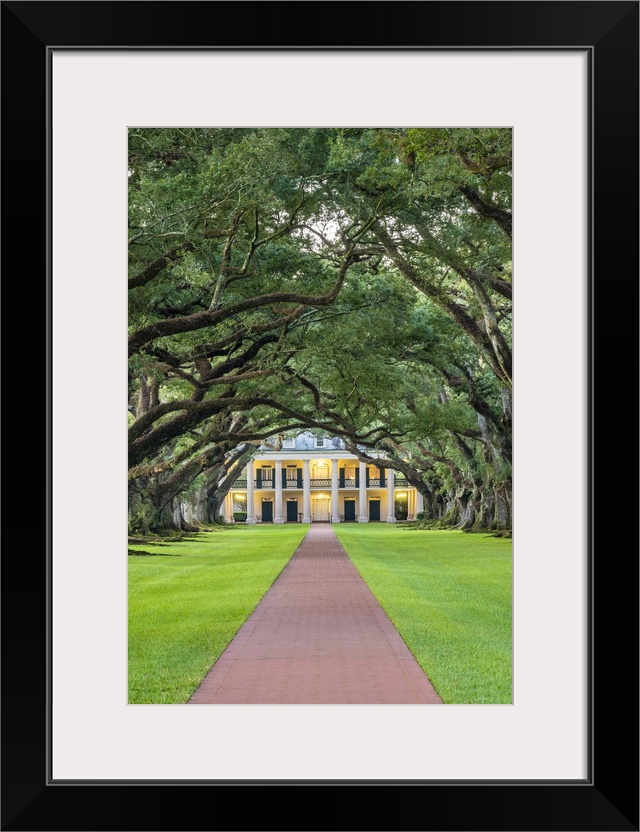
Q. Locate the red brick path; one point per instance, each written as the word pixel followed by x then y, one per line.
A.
pixel 317 637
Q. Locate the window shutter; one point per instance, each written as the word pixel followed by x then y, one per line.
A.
pixel 284 477
pixel 259 478
pixel 367 476
pixel 341 477
pixel 358 477
pixel 299 471
pixel 382 478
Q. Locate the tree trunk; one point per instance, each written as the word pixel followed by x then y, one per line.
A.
pixel 205 506
pixel 502 517
pixel 147 515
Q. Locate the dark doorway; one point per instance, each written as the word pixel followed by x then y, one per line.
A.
pixel 292 511
pixel 374 509
pixel 267 511
pixel 349 511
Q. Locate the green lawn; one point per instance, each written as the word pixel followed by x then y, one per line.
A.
pixel 187 600
pixel 449 594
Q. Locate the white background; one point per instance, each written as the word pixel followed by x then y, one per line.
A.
pixel 96 96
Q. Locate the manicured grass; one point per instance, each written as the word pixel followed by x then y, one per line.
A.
pixel 187 601
pixel 449 594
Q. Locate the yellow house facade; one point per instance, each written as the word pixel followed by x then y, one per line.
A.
pixel 311 479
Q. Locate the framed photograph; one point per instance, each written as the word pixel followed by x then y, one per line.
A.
pixel 564 78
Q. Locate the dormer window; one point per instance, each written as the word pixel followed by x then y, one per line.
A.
pixel 319 441
pixel 288 443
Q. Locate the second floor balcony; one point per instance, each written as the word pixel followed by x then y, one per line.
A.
pixel 324 483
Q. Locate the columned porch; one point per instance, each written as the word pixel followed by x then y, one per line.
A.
pixel 315 490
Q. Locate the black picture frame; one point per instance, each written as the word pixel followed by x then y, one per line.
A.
pixel 608 798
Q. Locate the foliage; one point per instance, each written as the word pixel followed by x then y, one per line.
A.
pixel 355 281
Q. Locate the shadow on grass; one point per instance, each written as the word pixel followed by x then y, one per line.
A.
pixel 143 554
pixel 436 526
pixel 168 541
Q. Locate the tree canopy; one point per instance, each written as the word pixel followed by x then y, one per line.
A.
pixel 355 281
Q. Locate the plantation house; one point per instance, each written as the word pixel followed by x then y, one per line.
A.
pixel 313 479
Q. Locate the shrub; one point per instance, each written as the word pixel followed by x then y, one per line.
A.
pixel 240 516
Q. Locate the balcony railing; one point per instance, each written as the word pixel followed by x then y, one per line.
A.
pixel 399 482
pixel 269 484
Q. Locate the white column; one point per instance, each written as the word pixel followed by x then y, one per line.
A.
pixel 419 502
pixel 229 514
pixel 362 491
pixel 278 475
pixel 391 500
pixel 306 492
pixel 335 516
pixel 251 515
pixel 226 509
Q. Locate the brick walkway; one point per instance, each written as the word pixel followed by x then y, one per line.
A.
pixel 317 637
